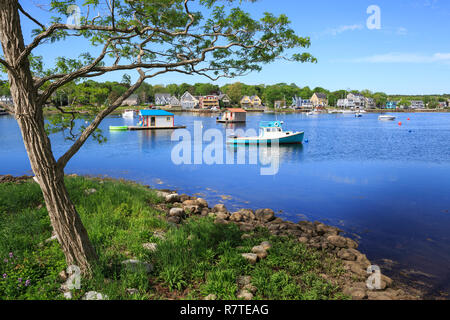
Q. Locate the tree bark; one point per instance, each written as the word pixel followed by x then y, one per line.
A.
pixel 64 218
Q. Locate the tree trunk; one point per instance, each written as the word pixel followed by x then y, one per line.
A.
pixel 64 218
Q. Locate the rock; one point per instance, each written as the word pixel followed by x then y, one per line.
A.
pixel 273 227
pixel 356 268
pixel 94 295
pixel 176 212
pixel 159 234
pixel 245 295
pixel 303 240
pixel 62 276
pixel 174 219
pixel 202 202
pixel 152 247
pixel 90 191
pixel 247 214
pixel 162 194
pixel 220 208
pixel 246 236
pixel 250 257
pixel 68 295
pixel 377 295
pixel 220 221
pixel 222 215
pixel 136 265
pixel 172 198
pixel 192 209
pixel 242 281
pixel 132 291
pixel 265 215
pixel 190 203
pixel 259 251
pixel 250 288
pixel 210 297
pixel 337 241
pixel 246 227
pixel 351 243
pixel 266 245
pixel 205 212
pixel 236 217
pixel 184 197
pixel 347 254
pixel 357 293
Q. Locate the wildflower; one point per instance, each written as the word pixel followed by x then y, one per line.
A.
pixel 5 261
pixel 4 276
pixel 20 279
pixel 11 255
pixel 27 283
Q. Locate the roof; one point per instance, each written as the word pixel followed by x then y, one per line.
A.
pixel 237 110
pixel 321 95
pixel 155 113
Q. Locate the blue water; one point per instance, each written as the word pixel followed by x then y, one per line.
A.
pixel 384 184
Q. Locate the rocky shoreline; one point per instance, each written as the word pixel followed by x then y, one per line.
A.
pixel 313 234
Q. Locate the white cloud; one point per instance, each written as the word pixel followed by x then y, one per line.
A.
pixel 406 58
pixel 401 31
pixel 342 29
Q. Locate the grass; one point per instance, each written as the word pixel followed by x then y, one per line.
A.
pixel 195 260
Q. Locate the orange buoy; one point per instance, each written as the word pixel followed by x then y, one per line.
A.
pixel 409 119
pixel 399 123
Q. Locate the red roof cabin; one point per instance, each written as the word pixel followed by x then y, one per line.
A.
pixel 233 115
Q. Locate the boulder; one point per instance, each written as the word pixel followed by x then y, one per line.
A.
pixel 337 241
pixel 245 295
pixel 184 197
pixel 220 221
pixel 242 281
pixel 265 215
pixel 266 245
pixel 303 240
pixel 176 212
pixel 222 215
pixel 152 247
pixel 192 209
pixel 250 288
pixel 220 208
pixel 174 219
pixel 246 227
pixel 259 251
pixel 172 198
pixel 250 257
pixel 247 214
pixel 347 254
pixel 236 217
pixel 202 203
pixel 210 297
pixel 357 293
pixel 136 265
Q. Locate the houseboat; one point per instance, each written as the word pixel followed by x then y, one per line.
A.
pixel 154 120
pixel 233 115
pixel 270 132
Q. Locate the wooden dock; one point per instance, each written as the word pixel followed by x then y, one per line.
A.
pixel 134 128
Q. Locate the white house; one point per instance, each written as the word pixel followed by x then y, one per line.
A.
pixel 417 104
pixel 188 101
pixel 156 119
pixel 346 103
pixel 6 99
pixel 162 99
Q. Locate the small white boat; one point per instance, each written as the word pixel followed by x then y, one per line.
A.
pixel 386 117
pixel 270 132
pixel 128 114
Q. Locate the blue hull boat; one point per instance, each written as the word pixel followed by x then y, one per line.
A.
pixel 270 132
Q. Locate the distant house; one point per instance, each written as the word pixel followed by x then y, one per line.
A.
pixel 319 100
pixel 156 119
pixel 6 99
pixel 188 101
pixel 346 103
pixel 279 104
pixel 209 102
pixel 162 99
pixel 174 102
pixel 233 115
pixel 358 99
pixel 132 100
pixel 417 104
pixel 256 101
pixel 224 100
pixel 442 104
pixel 370 103
pixel 391 105
pixel 246 102
pixel 298 102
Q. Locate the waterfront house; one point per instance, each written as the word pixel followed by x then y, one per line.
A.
pixel 224 100
pixel 174 102
pixel 319 100
pixel 370 103
pixel 391 105
pixel 256 101
pixel 209 102
pixel 156 119
pixel 6 99
pixel 132 100
pixel 417 104
pixel 346 103
pixel 442 105
pixel 233 115
pixel 162 99
pixel 358 99
pixel 188 101
pixel 298 102
pixel 246 102
pixel 279 104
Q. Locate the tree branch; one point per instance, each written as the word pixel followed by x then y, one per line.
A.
pixel 30 17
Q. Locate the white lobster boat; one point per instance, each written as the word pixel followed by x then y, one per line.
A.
pixel 128 114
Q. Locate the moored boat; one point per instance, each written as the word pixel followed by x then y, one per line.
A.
pixel 118 128
pixel 128 114
pixel 386 117
pixel 270 132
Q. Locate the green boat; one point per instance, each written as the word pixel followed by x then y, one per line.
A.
pixel 270 132
pixel 118 128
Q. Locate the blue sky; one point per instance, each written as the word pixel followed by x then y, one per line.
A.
pixel 410 54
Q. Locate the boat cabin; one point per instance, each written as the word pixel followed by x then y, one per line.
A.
pixel 156 119
pixel 233 115
pixel 267 127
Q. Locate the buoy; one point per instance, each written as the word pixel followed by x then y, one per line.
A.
pixel 409 119
pixel 399 123
pixel 306 140
pixel 410 131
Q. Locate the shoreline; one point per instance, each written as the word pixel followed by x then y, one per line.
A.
pixel 181 208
